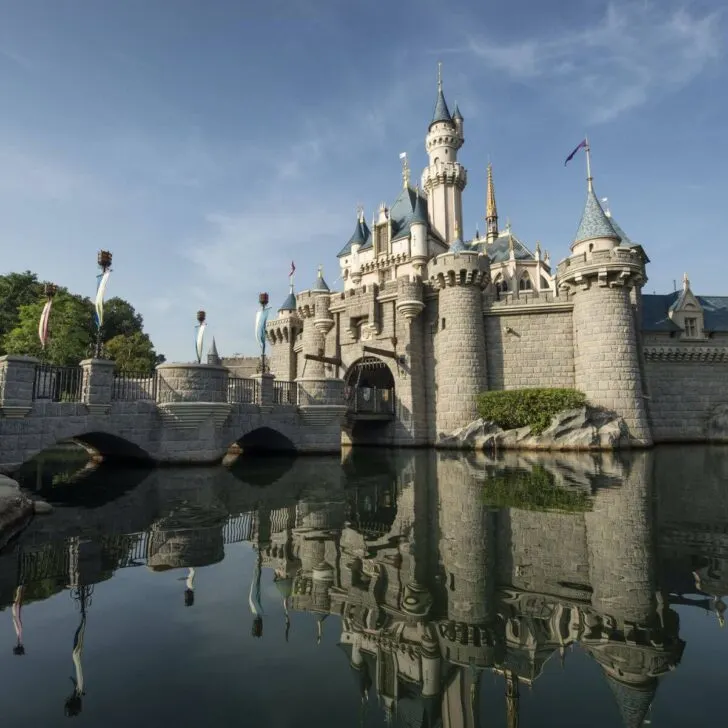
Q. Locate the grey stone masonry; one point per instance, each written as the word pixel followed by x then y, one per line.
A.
pixel 17 374
pixel 606 355
pixel 192 420
pixel 98 381
pixel 460 344
pixel 192 383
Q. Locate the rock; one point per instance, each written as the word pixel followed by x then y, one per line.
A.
pixel 40 507
pixel 583 428
pixel 15 509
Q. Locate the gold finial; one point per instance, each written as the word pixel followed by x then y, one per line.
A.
pixel 491 211
pixel 457 230
pixel 538 248
pixel 405 170
pixel 320 271
pixel 686 282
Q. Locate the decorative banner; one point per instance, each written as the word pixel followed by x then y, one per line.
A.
pixel 200 340
pixel 43 323
pixel 261 318
pixel 103 281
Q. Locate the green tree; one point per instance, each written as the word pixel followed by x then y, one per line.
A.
pixel 16 290
pixel 133 353
pixel 70 336
pixel 120 318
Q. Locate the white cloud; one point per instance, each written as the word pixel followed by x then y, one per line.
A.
pixel 636 51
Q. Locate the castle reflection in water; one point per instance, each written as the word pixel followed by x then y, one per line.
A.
pixel 439 567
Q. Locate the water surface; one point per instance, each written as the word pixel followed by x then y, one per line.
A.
pixel 385 588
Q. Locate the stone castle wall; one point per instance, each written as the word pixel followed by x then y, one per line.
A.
pixel 529 348
pixel 688 397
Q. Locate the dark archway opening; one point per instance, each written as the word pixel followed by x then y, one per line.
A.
pixel 370 388
pixel 112 448
pixel 265 440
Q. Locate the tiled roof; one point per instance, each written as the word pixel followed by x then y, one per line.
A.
pixel 361 235
pixel 320 284
pixel 633 703
pixel 456 114
pixel 441 113
pixel 290 303
pixel 594 223
pixel 402 214
pixel 499 250
pixel 655 310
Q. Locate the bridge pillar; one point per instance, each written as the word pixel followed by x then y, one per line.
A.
pixel 97 384
pixel 17 374
pixel 264 396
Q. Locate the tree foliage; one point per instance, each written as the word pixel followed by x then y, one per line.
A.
pixel 133 353
pixel 514 408
pixel 72 329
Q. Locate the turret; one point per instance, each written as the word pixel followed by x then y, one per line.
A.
pixel 460 276
pixel 599 277
pixel 313 307
pixel 444 178
pixel 282 333
pixel 212 356
pixel 418 233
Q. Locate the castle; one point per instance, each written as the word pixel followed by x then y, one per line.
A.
pixel 427 320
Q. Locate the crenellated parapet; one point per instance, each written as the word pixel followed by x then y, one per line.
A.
pixel 619 266
pixel 444 173
pixel 459 269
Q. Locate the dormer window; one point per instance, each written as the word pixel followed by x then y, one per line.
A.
pixel 691 328
pixel 380 239
pixel 525 283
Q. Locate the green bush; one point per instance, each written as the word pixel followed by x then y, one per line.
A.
pixel 521 407
pixel 533 491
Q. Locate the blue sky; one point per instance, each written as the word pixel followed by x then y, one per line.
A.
pixel 209 143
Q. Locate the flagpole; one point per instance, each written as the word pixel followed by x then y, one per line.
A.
pixel 104 262
pixel 587 150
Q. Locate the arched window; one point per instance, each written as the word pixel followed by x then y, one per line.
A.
pixel 525 283
pixel 544 283
pixel 501 285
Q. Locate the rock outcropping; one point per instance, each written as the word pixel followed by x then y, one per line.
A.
pixel 584 428
pixel 15 509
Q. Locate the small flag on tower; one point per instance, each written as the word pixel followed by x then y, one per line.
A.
pixel 293 269
pixel 581 145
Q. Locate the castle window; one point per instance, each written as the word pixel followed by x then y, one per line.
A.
pixel 501 285
pixel 525 283
pixel 443 324
pixel 544 283
pixel 691 327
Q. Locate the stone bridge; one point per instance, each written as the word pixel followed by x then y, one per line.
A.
pixel 183 413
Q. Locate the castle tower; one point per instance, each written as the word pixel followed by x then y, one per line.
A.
pixel 599 276
pixel 212 356
pixel 491 211
pixel 459 276
pixel 314 308
pixel 444 178
pixel 282 334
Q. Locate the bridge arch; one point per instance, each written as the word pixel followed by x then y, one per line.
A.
pixel 265 439
pixel 98 443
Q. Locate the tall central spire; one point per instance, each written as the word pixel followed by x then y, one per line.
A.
pixel 491 211
pixel 442 113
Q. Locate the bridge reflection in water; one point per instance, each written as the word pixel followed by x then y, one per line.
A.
pixel 439 568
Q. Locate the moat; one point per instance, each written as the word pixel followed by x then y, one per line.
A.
pixel 383 587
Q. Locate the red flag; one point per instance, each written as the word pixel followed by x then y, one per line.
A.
pixel 293 269
pixel 582 144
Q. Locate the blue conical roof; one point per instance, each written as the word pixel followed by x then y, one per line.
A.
pixel 594 222
pixel 358 236
pixel 320 284
pixel 419 214
pixel 442 113
pixel 456 114
pixel 290 303
pixel 457 245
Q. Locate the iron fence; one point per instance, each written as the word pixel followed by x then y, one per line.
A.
pixel 284 392
pixel 242 391
pixel 132 387
pixel 3 374
pixel 57 384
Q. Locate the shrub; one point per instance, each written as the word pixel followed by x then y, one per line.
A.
pixel 521 407
pixel 533 491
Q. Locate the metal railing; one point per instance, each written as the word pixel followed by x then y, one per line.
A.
pixel 284 392
pixel 57 384
pixel 242 391
pixel 370 400
pixel 132 387
pixel 3 375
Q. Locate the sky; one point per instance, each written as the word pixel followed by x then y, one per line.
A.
pixel 208 144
